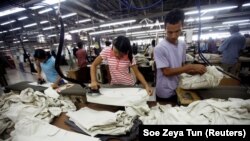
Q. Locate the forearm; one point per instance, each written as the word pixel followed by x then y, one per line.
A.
pixel 93 73
pixel 174 71
pixel 58 80
pixel 141 78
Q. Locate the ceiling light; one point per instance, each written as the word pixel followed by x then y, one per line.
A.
pixel 14 29
pixel 83 29
pixel 1 41
pixel 246 4
pixel 238 21
pixel 53 35
pixel 8 22
pixel 145 32
pixel 45 10
pixel 30 25
pixel 3 31
pixel 48 28
pixel 197 19
pixel 51 2
pixel 117 23
pixel 128 28
pixel 244 23
pixel 11 11
pixel 22 18
pixel 207 27
pixel 100 32
pixel 68 15
pixel 43 22
pixel 210 10
pixel 40 35
pixel 83 21
pixel 36 7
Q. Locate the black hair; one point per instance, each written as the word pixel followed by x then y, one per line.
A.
pixel 153 43
pixel 174 16
pixel 41 54
pixel 79 44
pixel 234 29
pixel 107 43
pixel 122 44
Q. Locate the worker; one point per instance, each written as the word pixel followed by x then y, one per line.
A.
pixel 170 55
pixel 81 55
pixel 120 59
pixel 46 63
pixel 231 48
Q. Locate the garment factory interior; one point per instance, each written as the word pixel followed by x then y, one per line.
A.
pixel 97 69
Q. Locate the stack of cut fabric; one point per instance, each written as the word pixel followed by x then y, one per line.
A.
pixel 95 122
pixel 209 79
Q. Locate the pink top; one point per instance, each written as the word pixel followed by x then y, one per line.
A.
pixel 119 68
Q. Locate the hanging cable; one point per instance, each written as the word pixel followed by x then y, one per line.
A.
pixel 59 52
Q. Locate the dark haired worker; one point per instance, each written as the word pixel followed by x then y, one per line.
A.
pixel 46 63
pixel 169 56
pixel 231 48
pixel 120 60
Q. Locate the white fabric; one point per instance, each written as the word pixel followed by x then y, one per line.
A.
pixel 14 107
pixel 48 84
pixel 50 92
pixel 29 129
pixel 102 122
pixel 210 111
pixel 120 96
pixel 189 58
pixel 209 79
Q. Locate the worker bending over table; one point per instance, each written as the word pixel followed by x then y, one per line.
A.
pixel 120 60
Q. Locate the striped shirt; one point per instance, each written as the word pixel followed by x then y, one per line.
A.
pixel 119 68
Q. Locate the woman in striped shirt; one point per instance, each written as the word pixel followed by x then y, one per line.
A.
pixel 120 60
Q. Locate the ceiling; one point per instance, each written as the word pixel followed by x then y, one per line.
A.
pixel 146 15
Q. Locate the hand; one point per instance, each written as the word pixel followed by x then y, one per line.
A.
pixel 149 90
pixel 196 69
pixel 39 76
pixel 94 85
pixel 54 86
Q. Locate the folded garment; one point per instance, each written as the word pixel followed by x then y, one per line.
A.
pixel 102 122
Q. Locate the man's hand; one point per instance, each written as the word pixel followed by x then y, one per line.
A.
pixel 195 69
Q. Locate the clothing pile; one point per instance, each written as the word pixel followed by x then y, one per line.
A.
pixel 32 129
pixel 189 58
pixel 212 58
pixel 209 79
pixel 30 103
pixel 210 111
pixel 95 122
pixel 141 60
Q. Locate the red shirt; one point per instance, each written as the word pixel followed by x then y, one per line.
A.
pixel 81 56
pixel 119 68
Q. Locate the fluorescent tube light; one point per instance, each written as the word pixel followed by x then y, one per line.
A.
pixel 128 28
pixel 100 32
pixel 53 35
pixel 83 29
pixel 36 7
pixel 244 23
pixel 238 21
pixel 8 22
pixel 48 28
pixel 197 19
pixel 14 29
pixel 117 23
pixel 11 11
pixel 43 22
pixel 246 4
pixel 45 10
pixel 30 25
pixel 83 21
pixel 40 35
pixel 51 2
pixel 210 10
pixel 22 18
pixel 68 15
